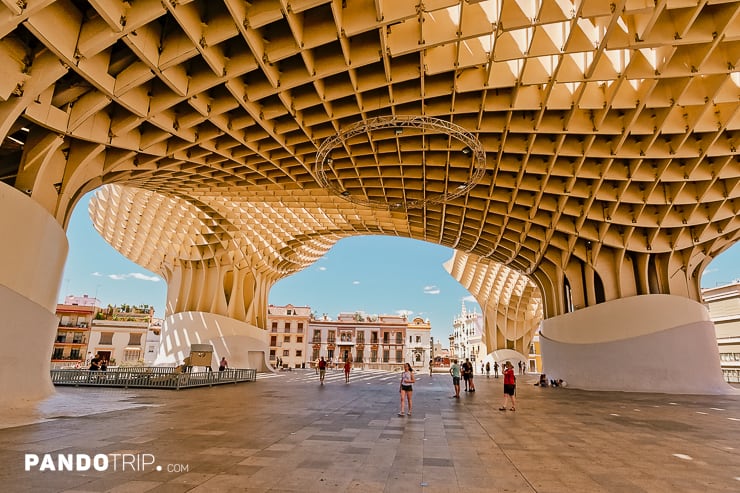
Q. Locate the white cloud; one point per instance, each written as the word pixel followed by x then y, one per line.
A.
pixel 355 282
pixel 322 268
pixel 97 274
pixel 470 299
pixel 431 290
pixel 408 313
pixel 133 275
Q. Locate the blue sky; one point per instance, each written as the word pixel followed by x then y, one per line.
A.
pixel 373 274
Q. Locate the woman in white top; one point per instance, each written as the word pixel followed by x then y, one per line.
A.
pixel 407 381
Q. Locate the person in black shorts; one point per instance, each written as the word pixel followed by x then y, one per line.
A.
pixel 509 386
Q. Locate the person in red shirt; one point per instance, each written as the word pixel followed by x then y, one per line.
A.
pixel 509 386
pixel 347 367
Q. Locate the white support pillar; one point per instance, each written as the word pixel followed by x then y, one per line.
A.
pixel 648 343
pixel 32 255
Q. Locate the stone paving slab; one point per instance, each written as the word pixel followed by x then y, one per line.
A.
pixel 286 433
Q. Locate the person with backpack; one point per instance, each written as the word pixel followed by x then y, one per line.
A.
pixel 322 370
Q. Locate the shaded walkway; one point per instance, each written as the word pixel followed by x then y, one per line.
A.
pixel 286 433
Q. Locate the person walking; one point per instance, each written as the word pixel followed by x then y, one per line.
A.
pixel 407 389
pixel 455 372
pixel 509 387
pixel 471 374
pixel 223 365
pixel 431 367
pixel 347 368
pixel 495 369
pixel 464 372
pixel 322 370
pixel 488 369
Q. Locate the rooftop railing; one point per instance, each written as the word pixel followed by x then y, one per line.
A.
pixel 151 377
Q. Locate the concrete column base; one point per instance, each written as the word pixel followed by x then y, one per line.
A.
pixel 32 256
pixel 651 343
pixel 243 345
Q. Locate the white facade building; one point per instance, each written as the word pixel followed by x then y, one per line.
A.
pixel 418 343
pixel 467 336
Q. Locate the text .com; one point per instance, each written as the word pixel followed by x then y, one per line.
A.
pixel 98 462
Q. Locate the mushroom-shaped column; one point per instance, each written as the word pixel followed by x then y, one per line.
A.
pixel 510 301
pixel 219 267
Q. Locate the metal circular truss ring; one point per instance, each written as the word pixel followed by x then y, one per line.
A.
pixel 426 123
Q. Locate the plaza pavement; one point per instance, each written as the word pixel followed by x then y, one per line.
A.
pixel 286 433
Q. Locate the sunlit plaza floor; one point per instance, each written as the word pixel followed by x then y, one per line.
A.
pixel 287 433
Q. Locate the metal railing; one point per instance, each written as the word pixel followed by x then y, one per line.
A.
pixel 150 377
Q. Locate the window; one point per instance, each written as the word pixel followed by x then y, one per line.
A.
pixel 134 339
pixel 374 337
pixel 58 353
pixel 74 353
pixel 286 340
pixel 386 356
pixel 358 357
pixel 399 356
pixel 286 352
pixel 106 338
pixel 274 326
pixel 272 354
pixel 374 356
pixel 386 337
pixel 411 339
pixel 399 338
pixel 131 354
pixel 77 338
pixel 61 338
pixel 316 336
pixel 287 327
pixel 331 336
pixel 299 353
pixel 315 355
pixel 418 339
pixel 273 340
pixel 300 327
pixel 361 337
pixel 299 339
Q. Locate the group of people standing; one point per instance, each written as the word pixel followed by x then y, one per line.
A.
pixel 466 370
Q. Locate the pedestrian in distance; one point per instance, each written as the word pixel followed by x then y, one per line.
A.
pixel 407 388
pixel 347 368
pixel 431 367
pixel 471 374
pixel 495 369
pixel 223 365
pixel 509 387
pixel 322 370
pixel 488 369
pixel 455 372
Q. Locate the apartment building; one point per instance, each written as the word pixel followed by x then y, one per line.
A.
pixel 74 317
pixel 723 303
pixel 287 325
pixel 119 334
pixel 369 341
